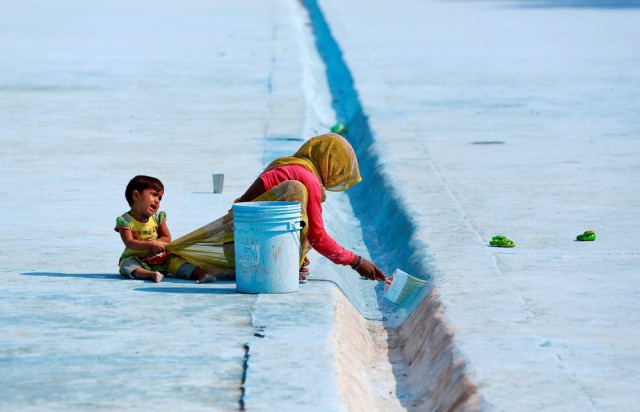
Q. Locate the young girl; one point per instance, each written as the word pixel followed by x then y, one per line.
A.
pixel 144 232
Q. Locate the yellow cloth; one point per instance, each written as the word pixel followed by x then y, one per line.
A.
pixel 211 247
pixel 330 157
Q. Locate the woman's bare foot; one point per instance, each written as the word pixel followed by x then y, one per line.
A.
pixel 206 278
pixel 304 270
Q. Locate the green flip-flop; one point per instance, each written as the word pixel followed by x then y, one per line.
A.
pixel 588 235
pixel 501 241
pixel 339 128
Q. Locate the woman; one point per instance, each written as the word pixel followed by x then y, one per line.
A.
pixel 323 162
pixel 326 162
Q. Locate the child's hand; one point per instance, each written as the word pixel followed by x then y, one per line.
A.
pixel 157 247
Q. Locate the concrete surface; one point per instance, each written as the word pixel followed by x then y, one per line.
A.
pixel 472 118
pixel 93 94
pixel 516 118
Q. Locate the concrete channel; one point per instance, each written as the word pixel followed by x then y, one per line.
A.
pixel 216 86
pixel 412 343
pixel 92 81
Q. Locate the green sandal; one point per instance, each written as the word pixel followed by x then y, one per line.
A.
pixel 589 235
pixel 501 241
pixel 339 128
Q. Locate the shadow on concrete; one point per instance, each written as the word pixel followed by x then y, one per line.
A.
pixel 195 290
pixel 116 276
pixel 110 276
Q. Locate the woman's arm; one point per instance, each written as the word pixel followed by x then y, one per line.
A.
pixel 367 269
pixel 317 236
pixel 255 190
pixel 321 241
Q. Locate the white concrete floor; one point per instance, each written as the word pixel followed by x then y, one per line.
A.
pixel 91 95
pixel 492 117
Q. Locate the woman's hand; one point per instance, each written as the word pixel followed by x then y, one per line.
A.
pixel 367 269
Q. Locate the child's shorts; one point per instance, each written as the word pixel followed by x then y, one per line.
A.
pixel 174 266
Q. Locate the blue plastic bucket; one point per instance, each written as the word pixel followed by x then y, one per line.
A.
pixel 267 246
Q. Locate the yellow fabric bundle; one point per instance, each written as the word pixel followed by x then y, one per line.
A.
pixel 330 157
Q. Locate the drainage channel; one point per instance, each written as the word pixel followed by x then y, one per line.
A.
pixel 384 360
pixel 419 346
pixel 377 188
pixel 388 362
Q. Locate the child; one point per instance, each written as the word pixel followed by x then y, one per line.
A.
pixel 144 231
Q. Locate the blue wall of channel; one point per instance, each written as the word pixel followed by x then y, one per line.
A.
pixel 388 229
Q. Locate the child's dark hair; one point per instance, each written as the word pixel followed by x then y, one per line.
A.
pixel 140 183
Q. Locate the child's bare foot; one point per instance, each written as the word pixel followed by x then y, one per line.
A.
pixel 144 274
pixel 206 278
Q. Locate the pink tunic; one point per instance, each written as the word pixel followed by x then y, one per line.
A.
pixel 317 236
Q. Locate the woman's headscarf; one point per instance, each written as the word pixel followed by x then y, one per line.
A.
pixel 330 157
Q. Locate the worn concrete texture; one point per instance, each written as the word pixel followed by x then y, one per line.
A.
pixel 93 94
pixel 479 118
pixel 515 118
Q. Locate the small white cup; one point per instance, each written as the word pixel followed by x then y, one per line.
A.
pixel 218 182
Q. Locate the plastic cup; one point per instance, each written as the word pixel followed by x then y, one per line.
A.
pixel 218 182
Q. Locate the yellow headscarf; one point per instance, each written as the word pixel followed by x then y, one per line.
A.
pixel 330 157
